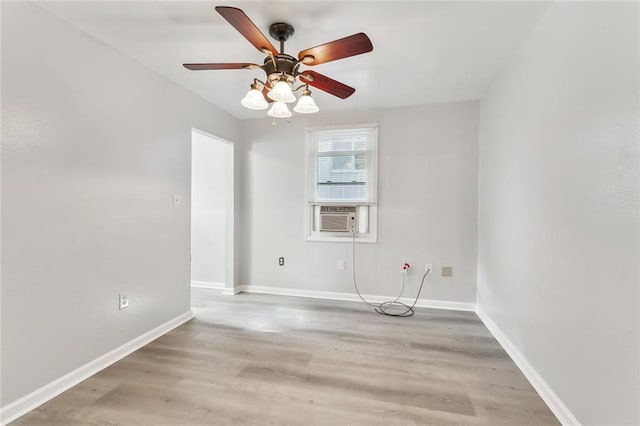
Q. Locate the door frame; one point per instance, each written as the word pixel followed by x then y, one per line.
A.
pixel 229 243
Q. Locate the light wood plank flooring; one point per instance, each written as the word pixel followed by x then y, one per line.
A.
pixel 272 360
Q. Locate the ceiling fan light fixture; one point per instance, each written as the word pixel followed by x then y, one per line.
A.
pixel 281 91
pixel 279 110
pixel 282 69
pixel 254 99
pixel 306 104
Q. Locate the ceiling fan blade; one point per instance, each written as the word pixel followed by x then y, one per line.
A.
pixel 241 22
pixel 228 66
pixel 338 49
pixel 326 84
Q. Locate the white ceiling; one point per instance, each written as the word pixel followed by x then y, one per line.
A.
pixel 424 52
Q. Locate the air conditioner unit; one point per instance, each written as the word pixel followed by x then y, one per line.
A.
pixel 338 218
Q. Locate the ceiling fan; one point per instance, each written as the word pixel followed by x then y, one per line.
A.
pixel 282 69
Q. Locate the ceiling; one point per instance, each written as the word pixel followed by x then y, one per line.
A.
pixel 424 52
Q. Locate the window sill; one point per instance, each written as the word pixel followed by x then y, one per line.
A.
pixel 333 238
pixel 341 203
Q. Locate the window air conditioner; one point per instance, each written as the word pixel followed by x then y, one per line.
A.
pixel 338 218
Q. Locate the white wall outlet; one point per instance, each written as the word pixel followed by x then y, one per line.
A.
pixel 428 267
pixel 124 301
pixel 176 200
pixel 341 265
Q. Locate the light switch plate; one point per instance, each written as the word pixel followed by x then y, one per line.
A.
pixel 176 200
pixel 446 271
pixel 123 301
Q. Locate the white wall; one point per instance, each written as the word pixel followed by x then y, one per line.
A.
pixel 427 204
pixel 94 146
pixel 558 212
pixel 208 208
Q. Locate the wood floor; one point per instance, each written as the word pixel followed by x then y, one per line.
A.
pixel 272 360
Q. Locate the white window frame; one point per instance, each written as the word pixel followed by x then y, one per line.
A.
pixel 367 210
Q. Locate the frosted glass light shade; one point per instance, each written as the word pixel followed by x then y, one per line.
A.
pixel 279 110
pixel 254 100
pixel 282 92
pixel 306 105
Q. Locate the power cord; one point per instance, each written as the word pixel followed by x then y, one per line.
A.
pixel 385 307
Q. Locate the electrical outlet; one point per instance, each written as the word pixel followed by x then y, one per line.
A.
pixel 281 261
pixel 124 301
pixel 428 267
pixel 407 269
pixel 341 265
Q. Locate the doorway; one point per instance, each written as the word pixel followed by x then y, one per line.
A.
pixel 212 211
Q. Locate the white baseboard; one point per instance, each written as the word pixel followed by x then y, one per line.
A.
pixel 230 291
pixel 557 407
pixel 207 284
pixel 333 295
pixel 21 406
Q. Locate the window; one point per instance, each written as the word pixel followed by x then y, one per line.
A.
pixel 342 170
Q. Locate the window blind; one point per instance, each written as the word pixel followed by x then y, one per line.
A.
pixel 341 164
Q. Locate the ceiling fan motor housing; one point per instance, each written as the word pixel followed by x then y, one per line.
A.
pixel 284 64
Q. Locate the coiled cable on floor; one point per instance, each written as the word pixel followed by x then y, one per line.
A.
pixel 384 308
